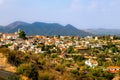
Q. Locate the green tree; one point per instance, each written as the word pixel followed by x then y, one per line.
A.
pixel 70 49
pixel 78 58
pixel 22 34
pixel 58 36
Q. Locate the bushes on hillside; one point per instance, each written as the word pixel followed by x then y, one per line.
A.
pixel 46 76
pixel 29 70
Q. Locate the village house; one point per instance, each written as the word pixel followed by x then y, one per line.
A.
pixel 1 34
pixel 96 37
pixel 113 69
pixel 99 46
pixel 91 63
pixel 10 36
pixel 78 48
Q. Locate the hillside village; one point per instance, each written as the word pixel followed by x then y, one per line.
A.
pixel 80 55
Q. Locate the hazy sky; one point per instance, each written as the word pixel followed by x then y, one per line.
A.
pixel 80 13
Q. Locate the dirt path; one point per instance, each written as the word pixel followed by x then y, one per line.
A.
pixel 4 65
pixel 5 74
pixel 6 69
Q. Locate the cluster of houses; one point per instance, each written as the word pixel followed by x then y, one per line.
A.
pixel 32 42
pixel 62 42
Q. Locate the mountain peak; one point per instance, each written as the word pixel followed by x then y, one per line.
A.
pixel 68 25
pixel 38 22
pixel 16 23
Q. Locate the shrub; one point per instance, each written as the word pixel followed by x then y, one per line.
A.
pixel 28 70
pixel 75 71
pixel 14 77
pixel 60 68
pixel 46 76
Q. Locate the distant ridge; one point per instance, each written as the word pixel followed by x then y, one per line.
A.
pixel 40 28
pixel 102 31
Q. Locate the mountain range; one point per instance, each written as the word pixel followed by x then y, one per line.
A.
pixel 103 31
pixel 47 29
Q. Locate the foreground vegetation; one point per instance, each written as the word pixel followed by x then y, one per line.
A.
pixel 51 67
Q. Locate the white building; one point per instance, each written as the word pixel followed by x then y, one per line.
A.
pixel 91 63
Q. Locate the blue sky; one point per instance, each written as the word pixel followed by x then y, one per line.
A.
pixel 80 13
